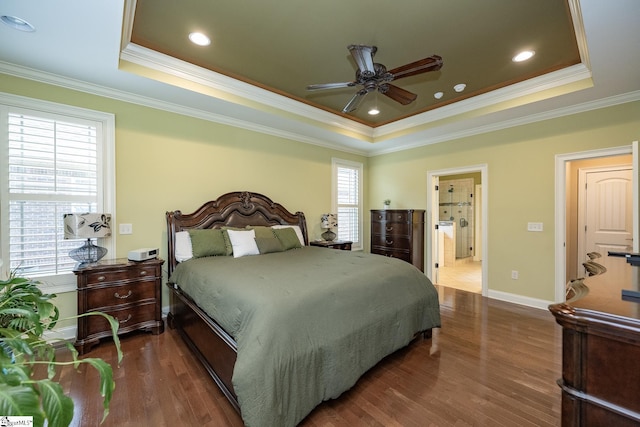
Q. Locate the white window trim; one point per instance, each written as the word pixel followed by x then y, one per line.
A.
pixel 64 282
pixel 335 163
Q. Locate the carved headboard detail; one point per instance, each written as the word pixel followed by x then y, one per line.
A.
pixel 237 209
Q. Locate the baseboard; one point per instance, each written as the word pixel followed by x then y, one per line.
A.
pixel 519 299
pixel 67 333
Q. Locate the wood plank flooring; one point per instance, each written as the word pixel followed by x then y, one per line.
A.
pixel 491 364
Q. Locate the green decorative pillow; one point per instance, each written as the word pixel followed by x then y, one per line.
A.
pixel 262 231
pixel 267 245
pixel 207 242
pixel 287 237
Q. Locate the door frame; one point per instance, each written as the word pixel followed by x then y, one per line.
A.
pixel 561 205
pixel 433 212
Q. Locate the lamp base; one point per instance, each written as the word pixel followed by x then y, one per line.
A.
pixel 88 252
pixel 328 235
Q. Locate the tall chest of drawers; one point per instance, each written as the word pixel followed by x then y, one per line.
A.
pixel 399 233
pixel 127 290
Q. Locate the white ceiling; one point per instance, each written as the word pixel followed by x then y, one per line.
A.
pixel 84 45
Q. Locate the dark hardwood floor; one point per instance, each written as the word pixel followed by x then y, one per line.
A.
pixel 491 364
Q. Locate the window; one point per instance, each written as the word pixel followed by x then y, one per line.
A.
pixel 55 159
pixel 347 200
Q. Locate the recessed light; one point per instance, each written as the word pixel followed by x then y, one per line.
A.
pixel 523 56
pixel 199 39
pixel 17 23
pixel 438 95
pixel 459 87
pixel 374 111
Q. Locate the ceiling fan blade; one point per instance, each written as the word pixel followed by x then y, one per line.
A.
pixel 432 63
pixel 355 102
pixel 400 95
pixel 330 86
pixel 363 55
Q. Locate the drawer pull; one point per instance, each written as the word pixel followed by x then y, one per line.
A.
pixel 389 242
pixel 143 273
pixel 125 320
pixel 389 228
pixel 101 278
pixel 380 217
pixel 117 295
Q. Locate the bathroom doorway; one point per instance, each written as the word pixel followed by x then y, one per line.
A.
pixel 455 256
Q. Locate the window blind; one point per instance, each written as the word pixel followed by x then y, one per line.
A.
pixel 348 202
pixel 52 170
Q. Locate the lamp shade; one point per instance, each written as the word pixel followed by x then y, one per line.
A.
pixel 329 220
pixel 87 225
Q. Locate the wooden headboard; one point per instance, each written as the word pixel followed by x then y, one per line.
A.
pixel 237 209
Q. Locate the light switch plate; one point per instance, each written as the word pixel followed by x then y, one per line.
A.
pixel 534 226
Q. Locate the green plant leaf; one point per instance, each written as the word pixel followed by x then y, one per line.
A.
pixel 57 406
pixel 107 385
pixel 21 401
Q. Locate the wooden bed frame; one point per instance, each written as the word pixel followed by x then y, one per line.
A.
pixel 216 349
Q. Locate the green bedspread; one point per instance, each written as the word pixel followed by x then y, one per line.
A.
pixel 308 322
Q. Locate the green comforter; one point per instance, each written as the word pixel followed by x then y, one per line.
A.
pixel 308 322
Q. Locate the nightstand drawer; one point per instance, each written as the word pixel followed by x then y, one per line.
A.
pixel 127 318
pixel 112 276
pixel 118 295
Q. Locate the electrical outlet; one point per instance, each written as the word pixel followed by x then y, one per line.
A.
pixel 126 229
pixel 514 274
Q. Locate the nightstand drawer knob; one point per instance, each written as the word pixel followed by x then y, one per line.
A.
pixel 117 295
pixel 101 278
pixel 125 320
pixel 143 273
pixel 389 228
pixel 389 242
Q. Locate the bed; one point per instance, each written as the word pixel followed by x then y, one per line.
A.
pixel 282 330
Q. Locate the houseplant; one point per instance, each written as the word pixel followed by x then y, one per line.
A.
pixel 26 313
pixel 386 203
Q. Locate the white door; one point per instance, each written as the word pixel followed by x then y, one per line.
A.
pixel 608 211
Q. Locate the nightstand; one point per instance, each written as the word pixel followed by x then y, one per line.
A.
pixel 127 290
pixel 343 245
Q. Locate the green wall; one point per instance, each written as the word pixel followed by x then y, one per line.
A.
pixel 520 168
pixel 165 161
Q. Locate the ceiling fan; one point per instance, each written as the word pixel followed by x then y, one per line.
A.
pixel 374 76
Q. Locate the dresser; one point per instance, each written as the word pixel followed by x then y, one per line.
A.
pixel 399 233
pixel 600 381
pixel 127 290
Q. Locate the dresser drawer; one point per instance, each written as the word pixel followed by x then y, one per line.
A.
pixel 127 317
pixel 390 216
pixel 392 253
pixel 391 241
pixel 111 296
pixel 394 228
pixel 117 275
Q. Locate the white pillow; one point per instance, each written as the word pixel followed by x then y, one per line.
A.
pixel 182 248
pixel 297 230
pixel 243 242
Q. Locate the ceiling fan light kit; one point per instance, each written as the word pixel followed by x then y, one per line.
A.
pixel 373 76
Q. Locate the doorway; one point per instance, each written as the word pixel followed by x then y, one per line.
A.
pixel 572 214
pixel 457 220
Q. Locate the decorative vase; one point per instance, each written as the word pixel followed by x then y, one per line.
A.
pixel 386 206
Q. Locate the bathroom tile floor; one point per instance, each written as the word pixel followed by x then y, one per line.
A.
pixel 465 275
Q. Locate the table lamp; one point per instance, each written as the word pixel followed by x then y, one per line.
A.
pixel 87 226
pixel 329 221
